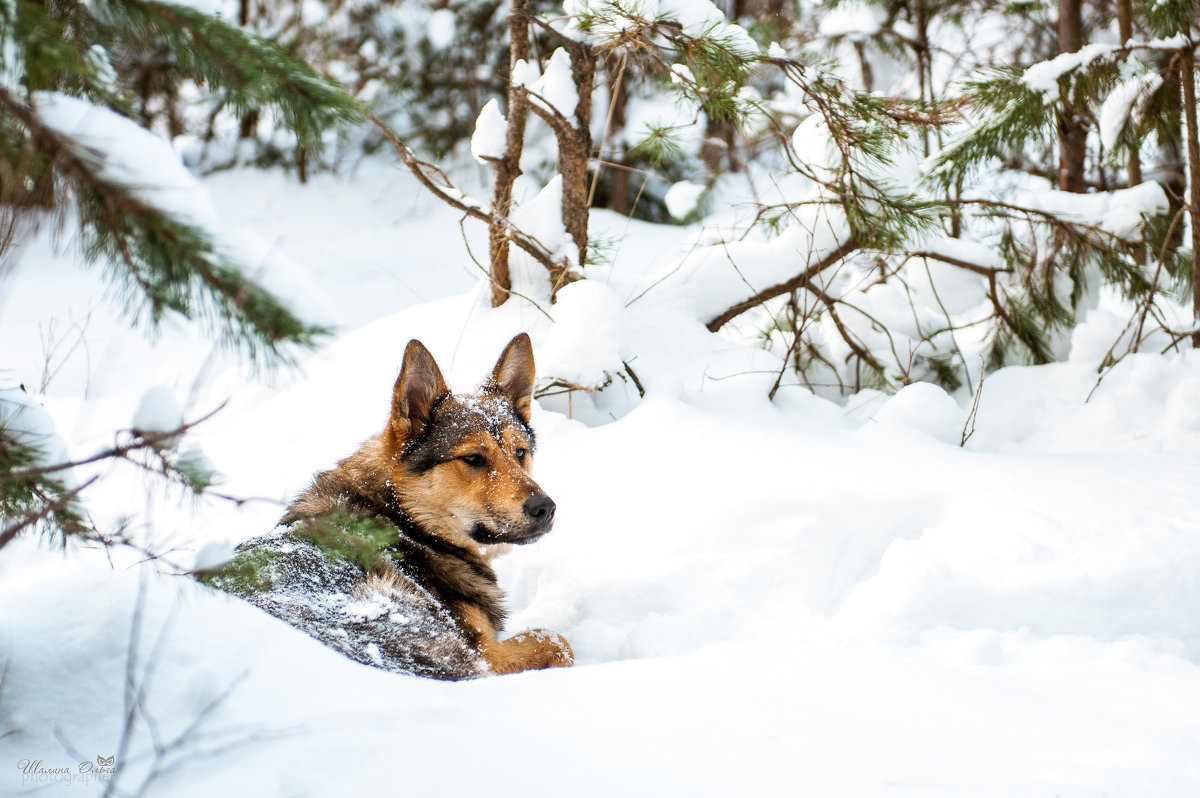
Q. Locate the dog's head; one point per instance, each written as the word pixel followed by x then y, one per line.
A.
pixel 460 464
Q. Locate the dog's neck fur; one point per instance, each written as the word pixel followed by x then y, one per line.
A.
pixel 454 574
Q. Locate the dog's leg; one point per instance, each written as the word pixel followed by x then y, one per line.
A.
pixel 525 651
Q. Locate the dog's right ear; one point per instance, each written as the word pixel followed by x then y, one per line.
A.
pixel 418 389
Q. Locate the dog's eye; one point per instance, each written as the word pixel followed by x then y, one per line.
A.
pixel 520 453
pixel 474 460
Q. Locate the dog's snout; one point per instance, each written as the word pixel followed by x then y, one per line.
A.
pixel 540 509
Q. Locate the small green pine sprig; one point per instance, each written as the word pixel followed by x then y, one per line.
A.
pixel 247 574
pixel 866 133
pixel 1011 116
pixel 362 540
pixel 1165 18
pixel 162 265
pixel 36 499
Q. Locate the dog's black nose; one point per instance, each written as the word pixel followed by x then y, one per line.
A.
pixel 540 509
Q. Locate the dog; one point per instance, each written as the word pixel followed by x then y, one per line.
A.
pixel 387 556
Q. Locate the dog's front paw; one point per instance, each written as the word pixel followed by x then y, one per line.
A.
pixel 548 649
pixel 530 650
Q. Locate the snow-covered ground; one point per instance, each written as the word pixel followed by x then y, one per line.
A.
pixel 793 597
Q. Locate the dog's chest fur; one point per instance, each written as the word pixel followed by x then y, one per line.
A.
pixel 454 575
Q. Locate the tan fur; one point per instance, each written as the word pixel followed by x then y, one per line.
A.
pixel 529 650
pixel 450 498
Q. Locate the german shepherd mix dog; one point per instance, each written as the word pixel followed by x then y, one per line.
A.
pixel 432 499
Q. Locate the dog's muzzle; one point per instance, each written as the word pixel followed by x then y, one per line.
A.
pixel 539 517
pixel 540 512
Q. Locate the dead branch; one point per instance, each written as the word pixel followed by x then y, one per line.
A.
pixel 429 176
pixel 801 280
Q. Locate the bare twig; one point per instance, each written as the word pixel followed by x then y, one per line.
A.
pixel 440 186
pixel 966 435
pixel 801 280
pixel 142 440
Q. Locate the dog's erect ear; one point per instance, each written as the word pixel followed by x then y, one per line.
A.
pixel 418 389
pixel 513 376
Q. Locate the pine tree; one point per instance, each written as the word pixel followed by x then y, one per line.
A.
pixel 60 54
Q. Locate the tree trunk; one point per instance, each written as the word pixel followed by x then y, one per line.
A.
pixel 575 151
pixel 771 11
pixel 619 198
pixel 924 65
pixel 1072 135
pixel 508 168
pixel 1188 75
pixel 1133 163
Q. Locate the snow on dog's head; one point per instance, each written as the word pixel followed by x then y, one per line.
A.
pixel 460 464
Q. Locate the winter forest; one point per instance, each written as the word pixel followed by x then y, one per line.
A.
pixel 867 390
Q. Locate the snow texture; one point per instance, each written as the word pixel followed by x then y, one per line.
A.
pixel 1044 75
pixel 763 596
pixel 491 129
pixel 1118 212
pixel 682 198
pixel 855 21
pixel 26 421
pixel 1121 105
pixel 150 169
pixel 128 155
pixel 524 73
pixel 157 411
pixel 441 28
pixel 397 626
pixel 556 86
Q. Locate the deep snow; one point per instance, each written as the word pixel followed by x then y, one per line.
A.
pixel 793 597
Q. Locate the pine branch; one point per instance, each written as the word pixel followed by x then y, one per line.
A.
pixel 250 71
pixel 142 441
pixel 170 265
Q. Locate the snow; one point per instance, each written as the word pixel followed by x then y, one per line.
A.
pixel 441 28
pixel 26 420
pixel 1120 105
pixel 489 139
pixel 794 596
pixel 1044 76
pixel 541 218
pixel 680 73
pixel 212 555
pixel 856 21
pixel 711 277
pixel 524 73
pixel 157 411
pixel 696 18
pixel 962 249
pixel 128 155
pixel 586 342
pixel 1118 212
pixel 150 169
pixel 682 198
pixel 556 86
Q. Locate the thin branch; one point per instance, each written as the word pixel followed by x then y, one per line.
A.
pixel 801 280
pixel 424 171
pixel 144 440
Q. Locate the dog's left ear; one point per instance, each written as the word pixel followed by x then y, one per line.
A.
pixel 513 376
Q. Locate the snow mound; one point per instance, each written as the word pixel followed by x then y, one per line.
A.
pixel 925 408
pixel 489 139
pixel 157 411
